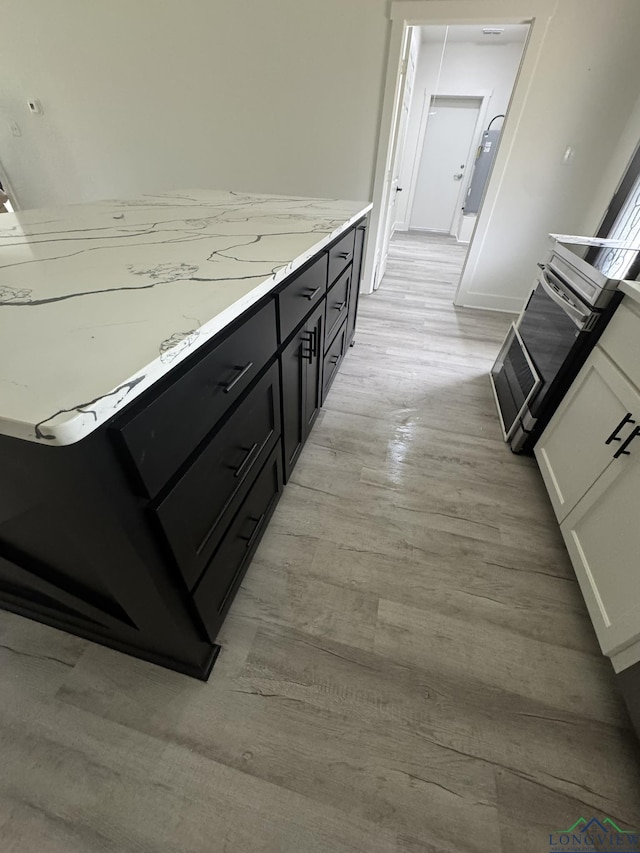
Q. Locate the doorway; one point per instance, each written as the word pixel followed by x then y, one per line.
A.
pixel 448 142
pixel 460 92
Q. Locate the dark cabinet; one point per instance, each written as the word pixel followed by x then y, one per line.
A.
pixel 301 362
pixel 301 294
pixel 169 500
pixel 341 255
pixel 193 514
pixel 166 424
pixel 333 359
pixel 221 578
pixel 337 305
pixel 354 293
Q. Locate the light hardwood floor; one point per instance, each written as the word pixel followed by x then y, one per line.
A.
pixel 408 666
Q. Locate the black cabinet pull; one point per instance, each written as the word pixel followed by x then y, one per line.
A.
pixel 243 372
pixel 256 530
pixel 316 341
pixel 622 450
pixel 343 255
pixel 627 419
pixel 311 295
pixel 312 345
pixel 340 305
pixel 245 461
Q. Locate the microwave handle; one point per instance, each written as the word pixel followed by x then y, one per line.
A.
pixel 580 318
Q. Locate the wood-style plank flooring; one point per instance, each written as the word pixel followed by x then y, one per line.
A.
pixel 408 668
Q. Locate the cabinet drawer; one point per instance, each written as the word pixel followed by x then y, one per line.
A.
pixel 341 254
pixel 192 515
pixel 621 341
pixel 337 305
pixel 332 359
pixel 220 581
pixel 163 432
pixel 300 295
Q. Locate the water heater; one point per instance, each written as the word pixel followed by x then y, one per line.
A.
pixel 481 168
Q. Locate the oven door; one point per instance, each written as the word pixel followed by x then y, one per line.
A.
pixel 549 328
pixel 514 380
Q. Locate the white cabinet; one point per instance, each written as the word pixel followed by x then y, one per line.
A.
pixel 589 456
pixel 602 534
pixel 573 451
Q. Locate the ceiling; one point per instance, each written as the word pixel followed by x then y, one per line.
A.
pixel 513 33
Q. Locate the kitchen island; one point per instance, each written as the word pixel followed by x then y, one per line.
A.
pixel 162 361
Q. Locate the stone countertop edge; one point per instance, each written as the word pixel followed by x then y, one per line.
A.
pixel 66 427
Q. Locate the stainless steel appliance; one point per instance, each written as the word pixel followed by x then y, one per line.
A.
pixel 481 169
pixel 567 311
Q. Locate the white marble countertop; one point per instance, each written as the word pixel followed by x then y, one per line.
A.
pixel 98 301
pixel 631 289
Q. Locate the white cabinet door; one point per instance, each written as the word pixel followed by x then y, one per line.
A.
pixel 603 539
pixel 572 452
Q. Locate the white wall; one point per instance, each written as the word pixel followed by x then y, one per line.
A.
pixel 583 91
pixel 466 68
pixel 141 95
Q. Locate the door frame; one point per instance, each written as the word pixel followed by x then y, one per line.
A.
pixel 406 13
pixel 484 96
pixel 394 151
pixel 6 183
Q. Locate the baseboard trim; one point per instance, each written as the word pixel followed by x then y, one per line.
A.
pixel 489 302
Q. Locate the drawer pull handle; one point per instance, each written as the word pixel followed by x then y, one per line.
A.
pixel 622 450
pixel 343 255
pixel 251 539
pixel 313 293
pixel 340 306
pixel 243 372
pixel 249 457
pixel 627 419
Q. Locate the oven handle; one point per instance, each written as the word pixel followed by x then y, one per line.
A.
pixel 580 318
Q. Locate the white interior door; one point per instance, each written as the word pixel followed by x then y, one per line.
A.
pixel 409 66
pixel 445 154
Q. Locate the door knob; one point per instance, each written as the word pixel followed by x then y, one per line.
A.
pixel 398 189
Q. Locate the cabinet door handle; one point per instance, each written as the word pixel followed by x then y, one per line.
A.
pixel 622 450
pixel 342 255
pixel 313 293
pixel 243 372
pixel 312 346
pixel 340 305
pixel 245 461
pixel 256 530
pixel 627 419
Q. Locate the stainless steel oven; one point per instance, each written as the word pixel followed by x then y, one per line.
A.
pixel 566 313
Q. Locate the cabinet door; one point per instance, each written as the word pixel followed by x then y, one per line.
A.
pixel 301 363
pixel 602 535
pixel 573 450
pixel 361 233
pixel 313 369
pixel 293 360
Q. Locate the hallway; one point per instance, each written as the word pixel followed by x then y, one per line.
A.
pixel 408 667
